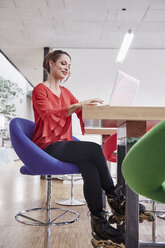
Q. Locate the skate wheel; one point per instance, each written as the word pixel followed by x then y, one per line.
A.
pixel 93 243
pixel 140 220
pixel 150 216
pixel 113 219
pixel 146 216
pixel 106 244
pixel 119 222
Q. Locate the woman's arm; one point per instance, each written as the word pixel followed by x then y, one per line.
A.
pixel 74 107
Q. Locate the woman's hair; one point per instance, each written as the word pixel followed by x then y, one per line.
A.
pixel 54 56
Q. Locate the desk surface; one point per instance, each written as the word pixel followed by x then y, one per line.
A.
pixel 113 116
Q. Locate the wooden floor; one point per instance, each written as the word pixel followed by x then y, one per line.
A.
pixel 18 192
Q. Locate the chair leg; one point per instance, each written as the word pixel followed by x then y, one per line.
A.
pixel 154 223
pixel 43 177
pixel 24 218
pixel 47 237
pixel 71 201
pixel 48 213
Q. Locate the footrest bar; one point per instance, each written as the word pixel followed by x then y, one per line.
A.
pixel 29 218
pixel 151 245
pixel 34 222
pixel 59 216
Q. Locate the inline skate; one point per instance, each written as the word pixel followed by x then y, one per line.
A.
pixel 116 202
pixel 104 235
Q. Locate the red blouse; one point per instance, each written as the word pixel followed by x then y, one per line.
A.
pixel 50 112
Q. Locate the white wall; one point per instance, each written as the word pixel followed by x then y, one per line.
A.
pixel 93 72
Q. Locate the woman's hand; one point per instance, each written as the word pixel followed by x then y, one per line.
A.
pixel 74 107
pixel 94 102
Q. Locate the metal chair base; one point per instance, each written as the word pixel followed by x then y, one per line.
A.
pixel 157 213
pixel 48 210
pixel 71 202
pixel 73 216
pixel 161 216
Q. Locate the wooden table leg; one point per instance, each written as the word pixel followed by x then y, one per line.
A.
pixel 125 141
pixel 132 200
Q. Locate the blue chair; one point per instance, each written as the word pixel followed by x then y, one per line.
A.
pixel 38 162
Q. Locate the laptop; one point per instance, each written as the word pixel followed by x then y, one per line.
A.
pixel 124 90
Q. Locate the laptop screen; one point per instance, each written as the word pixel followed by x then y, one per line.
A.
pixel 124 90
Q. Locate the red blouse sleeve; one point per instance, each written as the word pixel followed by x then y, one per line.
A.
pixel 78 113
pixel 54 118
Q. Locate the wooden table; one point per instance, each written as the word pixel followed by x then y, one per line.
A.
pixel 131 124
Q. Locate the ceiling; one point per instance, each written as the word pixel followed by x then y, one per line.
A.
pixel 28 26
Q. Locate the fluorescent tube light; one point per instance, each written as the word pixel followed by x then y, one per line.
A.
pixel 128 37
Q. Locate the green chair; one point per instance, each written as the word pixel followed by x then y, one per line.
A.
pixel 143 167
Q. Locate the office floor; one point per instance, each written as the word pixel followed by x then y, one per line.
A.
pixel 18 192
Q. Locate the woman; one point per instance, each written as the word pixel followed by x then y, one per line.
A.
pixel 53 106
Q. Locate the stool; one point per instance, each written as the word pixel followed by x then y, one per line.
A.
pixel 38 162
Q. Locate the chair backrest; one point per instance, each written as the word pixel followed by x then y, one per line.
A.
pixel 37 162
pixel 144 165
pixel 110 145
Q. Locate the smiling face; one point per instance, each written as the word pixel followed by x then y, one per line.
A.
pixel 61 68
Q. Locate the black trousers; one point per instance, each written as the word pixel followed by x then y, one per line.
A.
pixel 89 158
